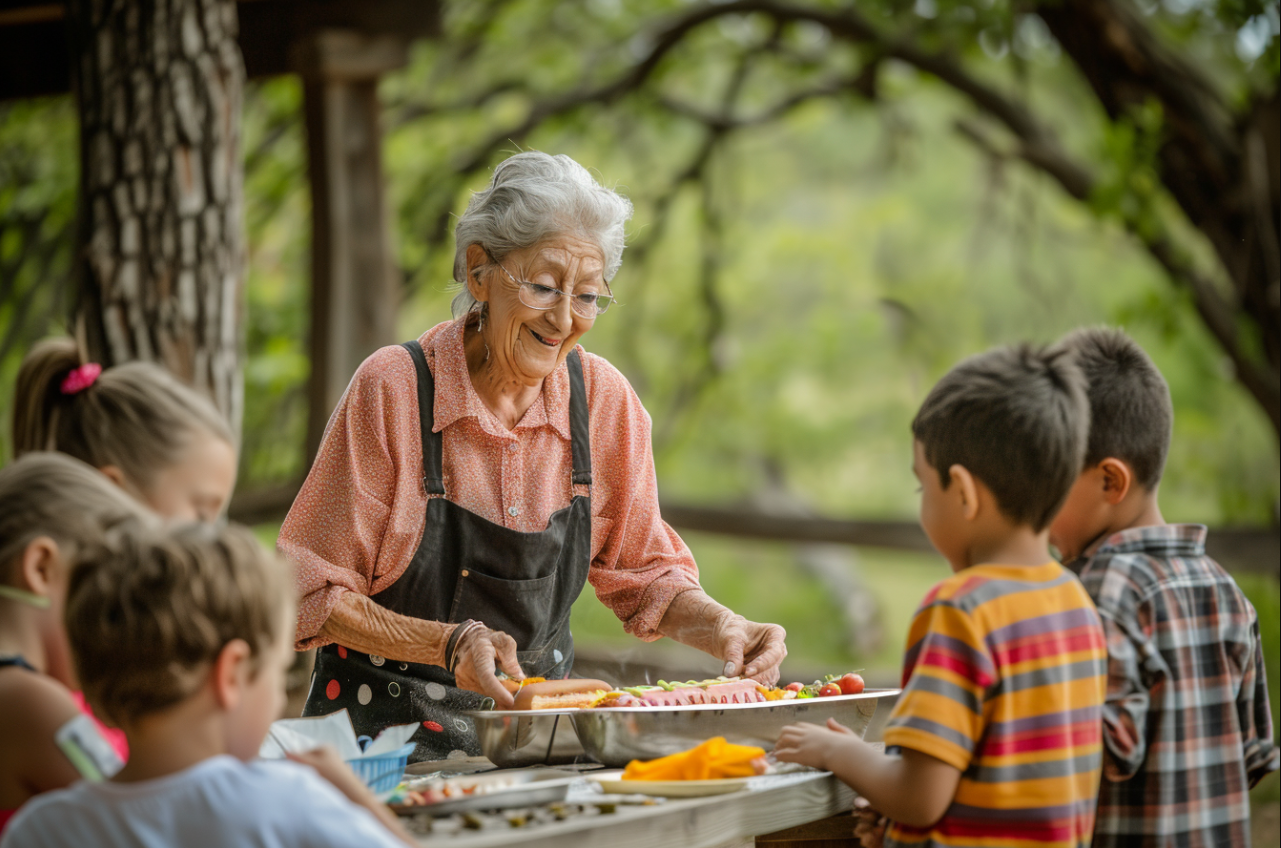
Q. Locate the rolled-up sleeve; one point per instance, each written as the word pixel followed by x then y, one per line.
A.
pixel 1254 711
pixel 357 520
pixel 639 564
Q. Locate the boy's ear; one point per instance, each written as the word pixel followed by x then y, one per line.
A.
pixel 476 258
pixel 40 565
pixel 967 489
pixel 1117 479
pixel 115 475
pixel 231 673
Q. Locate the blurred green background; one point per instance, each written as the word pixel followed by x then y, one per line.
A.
pixel 781 315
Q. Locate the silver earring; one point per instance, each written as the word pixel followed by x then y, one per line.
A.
pixel 484 310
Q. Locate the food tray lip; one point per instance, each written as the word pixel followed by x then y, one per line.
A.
pixel 538 781
pixel 683 708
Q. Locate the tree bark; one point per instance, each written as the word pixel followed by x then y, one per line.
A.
pixel 159 85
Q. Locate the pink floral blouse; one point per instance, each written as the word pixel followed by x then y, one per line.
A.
pixel 359 517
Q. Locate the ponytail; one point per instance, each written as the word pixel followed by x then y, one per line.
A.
pixel 137 416
pixel 38 400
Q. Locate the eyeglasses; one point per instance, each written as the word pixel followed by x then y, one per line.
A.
pixel 537 296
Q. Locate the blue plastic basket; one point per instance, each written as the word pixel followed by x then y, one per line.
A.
pixel 382 773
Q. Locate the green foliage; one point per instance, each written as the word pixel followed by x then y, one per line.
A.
pixel 38 172
pixel 1265 594
pixel 276 314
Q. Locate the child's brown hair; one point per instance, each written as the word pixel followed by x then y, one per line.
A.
pixel 1131 415
pixel 51 494
pixel 1017 418
pixel 135 416
pixel 155 608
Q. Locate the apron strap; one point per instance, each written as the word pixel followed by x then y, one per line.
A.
pixel 579 433
pixel 433 475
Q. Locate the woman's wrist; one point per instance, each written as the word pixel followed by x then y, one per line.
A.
pixel 694 619
pixel 359 623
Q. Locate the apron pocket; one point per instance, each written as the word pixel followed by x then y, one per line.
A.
pixel 516 607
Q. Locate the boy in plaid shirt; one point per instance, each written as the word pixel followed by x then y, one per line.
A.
pixel 1187 723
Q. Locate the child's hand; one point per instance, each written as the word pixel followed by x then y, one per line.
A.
pixel 869 824
pixel 331 767
pixel 807 744
pixel 839 728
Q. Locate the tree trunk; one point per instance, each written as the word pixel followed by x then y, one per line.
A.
pixel 159 85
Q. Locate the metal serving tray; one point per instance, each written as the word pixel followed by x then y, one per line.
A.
pixel 494 791
pixel 520 738
pixel 617 735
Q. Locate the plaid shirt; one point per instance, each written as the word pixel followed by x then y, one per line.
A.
pixel 1187 724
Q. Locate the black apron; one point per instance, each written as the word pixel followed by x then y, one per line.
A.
pixel 468 567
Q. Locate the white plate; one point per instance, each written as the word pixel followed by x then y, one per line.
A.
pixel 615 785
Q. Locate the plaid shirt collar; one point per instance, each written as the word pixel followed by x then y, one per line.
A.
pixel 1183 540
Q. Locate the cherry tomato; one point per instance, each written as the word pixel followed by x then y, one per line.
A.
pixel 828 690
pixel 794 687
pixel 851 684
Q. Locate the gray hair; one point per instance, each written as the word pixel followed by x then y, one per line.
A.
pixel 533 197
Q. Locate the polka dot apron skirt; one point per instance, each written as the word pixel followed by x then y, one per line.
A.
pixel 468 567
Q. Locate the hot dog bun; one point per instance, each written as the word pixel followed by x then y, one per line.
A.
pixel 513 686
pixel 555 694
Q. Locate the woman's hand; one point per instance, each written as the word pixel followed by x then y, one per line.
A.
pixel 747 648
pixel 750 649
pixel 478 655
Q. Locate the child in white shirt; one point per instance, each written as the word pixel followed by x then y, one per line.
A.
pixel 182 637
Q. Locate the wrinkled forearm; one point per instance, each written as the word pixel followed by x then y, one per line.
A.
pixel 362 625
pixel 692 619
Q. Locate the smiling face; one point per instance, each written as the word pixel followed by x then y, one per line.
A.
pixel 525 344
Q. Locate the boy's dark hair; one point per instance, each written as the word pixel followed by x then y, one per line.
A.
pixel 1130 411
pixel 1017 418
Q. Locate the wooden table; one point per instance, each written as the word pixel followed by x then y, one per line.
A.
pixel 769 804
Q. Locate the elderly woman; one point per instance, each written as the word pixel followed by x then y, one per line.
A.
pixel 471 481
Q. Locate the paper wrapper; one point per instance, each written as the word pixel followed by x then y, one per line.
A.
pixel 299 735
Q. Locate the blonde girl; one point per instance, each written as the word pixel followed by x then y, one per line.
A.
pixel 54 510
pixel 159 440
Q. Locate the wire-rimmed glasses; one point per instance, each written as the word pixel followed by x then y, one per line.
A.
pixel 538 296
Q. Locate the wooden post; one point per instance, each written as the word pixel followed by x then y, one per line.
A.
pixel 354 286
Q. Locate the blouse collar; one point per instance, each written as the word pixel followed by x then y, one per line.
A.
pixel 456 396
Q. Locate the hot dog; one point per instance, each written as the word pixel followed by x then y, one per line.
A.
pixel 513 685
pixel 555 694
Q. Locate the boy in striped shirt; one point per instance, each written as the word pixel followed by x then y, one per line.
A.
pixel 996 739
pixel 1187 724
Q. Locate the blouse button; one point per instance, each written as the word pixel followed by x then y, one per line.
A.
pixel 511 447
pixel 513 511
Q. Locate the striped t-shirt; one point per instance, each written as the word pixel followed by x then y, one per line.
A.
pixel 1004 678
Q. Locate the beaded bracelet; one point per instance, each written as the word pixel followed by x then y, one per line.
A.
pixel 451 646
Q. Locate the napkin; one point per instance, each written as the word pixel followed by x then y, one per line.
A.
pixel 714 759
pixel 298 735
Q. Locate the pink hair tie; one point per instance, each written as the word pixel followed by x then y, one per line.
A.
pixel 81 378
